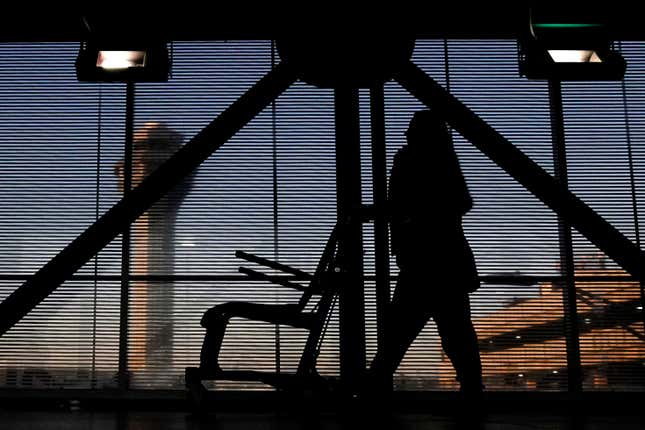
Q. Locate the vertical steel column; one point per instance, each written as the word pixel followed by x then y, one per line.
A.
pixel 276 248
pixel 348 199
pixel 381 239
pixel 567 269
pixel 96 259
pixel 632 183
pixel 124 377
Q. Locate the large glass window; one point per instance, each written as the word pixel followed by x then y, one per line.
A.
pixel 271 191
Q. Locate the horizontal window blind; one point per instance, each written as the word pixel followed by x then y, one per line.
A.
pixel 306 201
pixel 58 143
pixel 251 195
pixel 271 191
pixel 227 205
pixel 605 159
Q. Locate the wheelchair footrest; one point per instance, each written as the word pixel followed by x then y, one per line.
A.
pixel 286 381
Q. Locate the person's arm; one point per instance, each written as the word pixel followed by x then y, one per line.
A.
pixel 467 201
pixel 396 204
pixel 464 200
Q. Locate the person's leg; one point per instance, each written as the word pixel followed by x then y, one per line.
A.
pixel 459 340
pixel 408 314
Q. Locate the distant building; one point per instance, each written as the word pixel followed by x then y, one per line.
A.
pixel 523 345
pixel 152 250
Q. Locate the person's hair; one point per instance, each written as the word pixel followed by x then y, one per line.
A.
pixel 426 123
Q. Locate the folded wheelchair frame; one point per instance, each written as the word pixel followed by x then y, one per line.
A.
pixel 323 284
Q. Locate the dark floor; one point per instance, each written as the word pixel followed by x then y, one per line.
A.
pixel 22 410
pixel 144 420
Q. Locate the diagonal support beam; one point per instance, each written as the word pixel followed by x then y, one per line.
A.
pixel 524 170
pixel 141 198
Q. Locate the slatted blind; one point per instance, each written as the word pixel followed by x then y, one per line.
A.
pixel 251 196
pixel 271 191
pixel 58 143
pixel 604 156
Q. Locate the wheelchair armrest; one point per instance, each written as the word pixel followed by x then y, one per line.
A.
pixel 258 276
pixel 273 265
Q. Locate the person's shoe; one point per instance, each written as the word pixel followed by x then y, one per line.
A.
pixel 375 391
pixel 472 405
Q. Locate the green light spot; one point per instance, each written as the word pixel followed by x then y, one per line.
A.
pixel 565 25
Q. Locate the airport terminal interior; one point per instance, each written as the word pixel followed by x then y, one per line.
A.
pixel 169 180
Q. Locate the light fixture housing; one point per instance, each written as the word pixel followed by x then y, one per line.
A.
pixel 570 61
pixel 122 62
pixel 563 48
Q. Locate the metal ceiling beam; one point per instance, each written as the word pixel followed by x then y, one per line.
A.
pixel 455 20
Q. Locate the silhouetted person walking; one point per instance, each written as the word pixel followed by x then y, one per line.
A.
pixel 428 197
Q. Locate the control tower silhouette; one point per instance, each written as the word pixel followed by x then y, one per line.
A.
pixel 152 254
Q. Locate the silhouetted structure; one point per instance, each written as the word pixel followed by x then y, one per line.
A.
pixel 428 197
pixel 304 314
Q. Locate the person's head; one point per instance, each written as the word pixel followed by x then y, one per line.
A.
pixel 426 128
